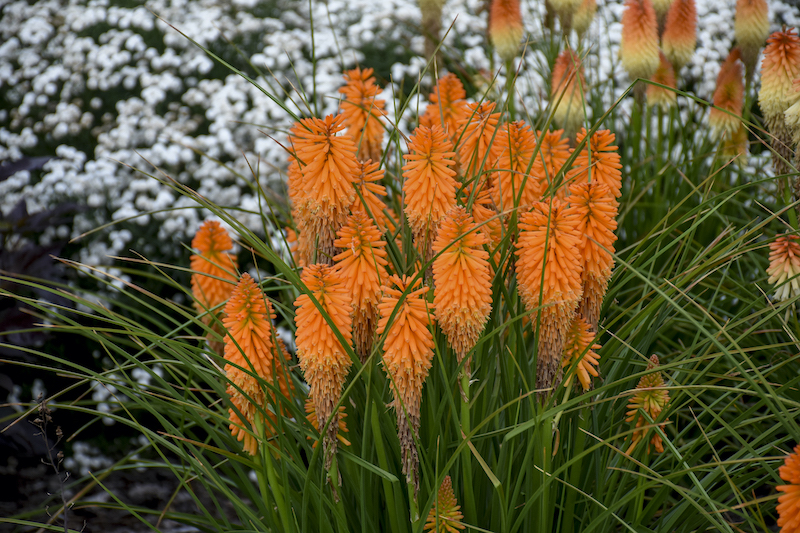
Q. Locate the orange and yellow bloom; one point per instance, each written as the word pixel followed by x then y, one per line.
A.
pixel 568 91
pixel 789 501
pixel 665 75
pixel 639 46
pixel 505 27
pixel 362 112
pixel 445 515
pixel 728 97
pixel 445 107
pixel 651 397
pixel 751 28
pixel 680 33
pixel 580 354
pixel 513 185
pixel 784 266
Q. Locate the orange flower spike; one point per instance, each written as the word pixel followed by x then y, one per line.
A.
pixel 781 66
pixel 652 398
pixel 751 28
pixel 568 91
pixel 328 168
pixel 680 33
pixel 485 216
pixel 214 261
pixel 429 185
pixel 552 275
pixel 362 266
pixel 513 187
pixel 367 183
pixel 639 46
pixel 584 17
pixel 445 107
pixel 665 75
pixel 784 267
pixel 476 126
pixel 789 502
pixel 553 153
pixel 596 211
pixel 311 416
pixel 249 345
pixel 445 515
pixel 729 97
pixel 362 112
pixel 323 359
pixel 598 161
pixel 407 357
pixel 580 354
pixel 505 27
pixel 462 281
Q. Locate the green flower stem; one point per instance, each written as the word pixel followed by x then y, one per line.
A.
pixel 510 80
pixel 466 459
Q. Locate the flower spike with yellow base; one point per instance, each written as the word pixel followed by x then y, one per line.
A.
pixel 549 277
pixel 665 75
pixel 580 354
pixel 751 28
pixel 638 48
pixel 462 281
pixel 680 33
pixel 445 515
pixel 784 267
pixel 568 92
pixel 362 266
pixel 652 398
pixel 251 347
pixel 323 359
pixel 214 274
pixel 407 357
pixel 505 28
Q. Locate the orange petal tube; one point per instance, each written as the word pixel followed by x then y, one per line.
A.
pixel 568 91
pixel 665 75
pixel 549 277
pixel 595 209
pixel 446 102
pixel 789 502
pixel 462 281
pixel 639 46
pixel 680 33
pixel 362 266
pixel 580 354
pixel 729 97
pixel 362 112
pixel 598 161
pixel 407 356
pixel 477 149
pixel 252 347
pixel 327 167
pixel 429 186
pixel 323 359
pixel 514 186
pixel 505 27
pixel 650 397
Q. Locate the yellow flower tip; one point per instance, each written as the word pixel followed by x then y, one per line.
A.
pixel 728 97
pixel 598 161
pixel 652 398
pixel 429 186
pixel 639 45
pixel 779 69
pixel 789 502
pixel 584 16
pixel 784 267
pixel 362 266
pixel 445 106
pixel 549 277
pixel 445 516
pixel 792 115
pixel 362 112
pixel 566 10
pixel 751 28
pixel 323 359
pixel 665 75
pixel 311 416
pixel 462 281
pixel 407 357
pixel 553 153
pixel 505 27
pixel 214 268
pixel 568 90
pixel 580 354
pixel 512 186
pixel 680 33
pixel 476 126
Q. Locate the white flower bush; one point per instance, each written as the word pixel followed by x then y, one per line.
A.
pixel 107 89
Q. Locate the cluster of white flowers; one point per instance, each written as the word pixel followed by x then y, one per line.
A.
pixel 122 99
